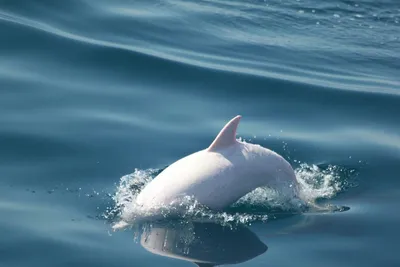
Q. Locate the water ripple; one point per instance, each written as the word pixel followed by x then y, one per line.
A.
pixel 234 60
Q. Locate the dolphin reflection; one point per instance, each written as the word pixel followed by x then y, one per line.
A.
pixel 205 244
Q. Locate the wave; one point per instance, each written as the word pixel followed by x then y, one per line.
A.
pixel 255 53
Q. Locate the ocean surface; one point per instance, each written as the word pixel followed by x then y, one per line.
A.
pixel 98 96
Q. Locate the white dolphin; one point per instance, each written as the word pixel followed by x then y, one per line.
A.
pixel 220 175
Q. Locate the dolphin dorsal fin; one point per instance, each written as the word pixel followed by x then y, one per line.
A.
pixel 227 136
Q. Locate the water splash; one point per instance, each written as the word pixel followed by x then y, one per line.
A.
pixel 262 204
pixel 324 181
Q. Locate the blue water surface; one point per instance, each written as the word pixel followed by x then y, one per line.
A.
pixel 97 95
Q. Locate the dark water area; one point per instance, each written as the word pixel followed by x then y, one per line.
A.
pixel 98 95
